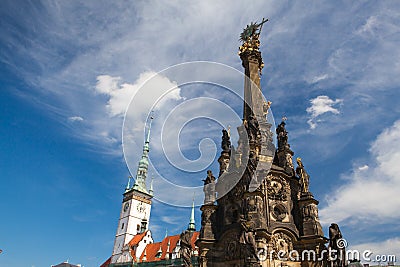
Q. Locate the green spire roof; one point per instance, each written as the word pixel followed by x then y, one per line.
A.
pixel 192 222
pixel 141 174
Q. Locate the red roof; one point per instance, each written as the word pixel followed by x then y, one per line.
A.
pixel 137 238
pixel 152 250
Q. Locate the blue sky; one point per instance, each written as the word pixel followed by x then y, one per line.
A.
pixel 69 69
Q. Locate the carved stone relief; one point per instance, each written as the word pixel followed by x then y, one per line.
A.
pixel 277 188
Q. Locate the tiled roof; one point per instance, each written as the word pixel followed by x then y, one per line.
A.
pixel 137 238
pixel 152 250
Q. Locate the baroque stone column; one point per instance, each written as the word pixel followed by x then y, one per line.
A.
pixel 207 233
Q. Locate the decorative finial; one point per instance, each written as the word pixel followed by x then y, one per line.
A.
pixel 284 118
pixel 229 130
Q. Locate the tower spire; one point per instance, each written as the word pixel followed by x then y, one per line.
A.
pixel 141 174
pixel 192 222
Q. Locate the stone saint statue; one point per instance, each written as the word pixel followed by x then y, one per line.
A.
pixel 226 142
pixel 247 239
pixel 338 245
pixel 282 135
pixel 209 188
pixel 186 248
pixel 303 175
pixel 253 130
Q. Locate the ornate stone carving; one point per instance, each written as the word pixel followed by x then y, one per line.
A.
pixel 247 239
pixel 186 248
pixel 310 212
pixel 206 216
pixel 279 211
pixel 232 213
pixel 282 244
pixel 254 204
pixel 278 188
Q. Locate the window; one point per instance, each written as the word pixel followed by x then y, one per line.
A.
pixel 122 226
pixel 143 226
pixel 138 228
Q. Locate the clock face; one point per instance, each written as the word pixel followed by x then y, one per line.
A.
pixel 126 206
pixel 140 207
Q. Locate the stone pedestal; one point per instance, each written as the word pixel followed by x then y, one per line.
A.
pixel 309 211
pixel 207 233
pixel 312 237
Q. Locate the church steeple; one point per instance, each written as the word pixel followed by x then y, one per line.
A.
pixel 141 174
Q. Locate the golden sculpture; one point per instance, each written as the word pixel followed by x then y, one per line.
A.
pixel 303 175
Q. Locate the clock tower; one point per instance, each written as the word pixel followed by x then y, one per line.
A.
pixel 135 210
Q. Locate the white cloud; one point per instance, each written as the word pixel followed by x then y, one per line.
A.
pixel 75 118
pixel 385 248
pixel 370 195
pixel 363 168
pixel 319 106
pixel 106 84
pixel 120 95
